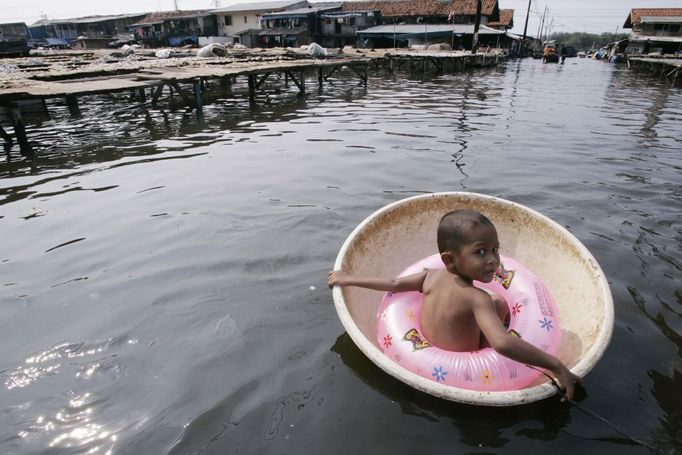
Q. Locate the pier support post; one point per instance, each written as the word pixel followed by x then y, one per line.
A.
pixel 156 94
pixel 252 88
pixel 20 130
pixel 301 86
pixel 72 103
pixel 226 84
pixel 141 95
pixel 198 101
pixel 259 83
pixel 320 78
pixel 362 73
pixel 185 97
pixel 6 137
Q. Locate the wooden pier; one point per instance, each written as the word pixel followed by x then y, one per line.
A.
pixel 188 77
pixel 441 61
pixel 666 68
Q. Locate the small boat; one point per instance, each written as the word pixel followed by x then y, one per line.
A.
pixel 405 231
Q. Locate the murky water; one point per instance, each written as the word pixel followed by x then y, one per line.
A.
pixel 164 278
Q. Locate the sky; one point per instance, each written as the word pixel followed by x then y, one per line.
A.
pixel 592 16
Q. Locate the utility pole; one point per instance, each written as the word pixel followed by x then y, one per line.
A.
pixel 525 29
pixel 548 30
pixel 477 24
pixel 539 25
pixel 175 4
pixel 542 25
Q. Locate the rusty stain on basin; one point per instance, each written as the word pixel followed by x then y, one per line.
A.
pixel 403 232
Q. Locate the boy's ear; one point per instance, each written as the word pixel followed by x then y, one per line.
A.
pixel 447 257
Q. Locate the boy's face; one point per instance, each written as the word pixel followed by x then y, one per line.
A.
pixel 478 259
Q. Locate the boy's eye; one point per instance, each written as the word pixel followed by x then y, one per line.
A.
pixel 480 252
pixel 496 250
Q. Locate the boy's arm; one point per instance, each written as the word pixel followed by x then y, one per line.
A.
pixel 517 349
pixel 399 284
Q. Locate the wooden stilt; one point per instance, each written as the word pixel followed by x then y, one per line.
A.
pixel 141 96
pixel 7 138
pixel 174 83
pixel 261 81
pixel 72 103
pixel 226 83
pixel 157 94
pixel 294 80
pixel 333 70
pixel 252 88
pixel 362 74
pixel 20 131
pixel 319 78
pixel 198 101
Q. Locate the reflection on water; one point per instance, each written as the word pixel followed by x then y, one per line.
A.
pixel 666 389
pixel 165 279
pixel 473 423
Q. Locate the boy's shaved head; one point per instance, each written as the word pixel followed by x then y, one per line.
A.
pixel 455 228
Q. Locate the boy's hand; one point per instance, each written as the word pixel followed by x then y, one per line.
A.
pixel 567 380
pixel 336 277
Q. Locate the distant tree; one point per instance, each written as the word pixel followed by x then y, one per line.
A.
pixel 584 41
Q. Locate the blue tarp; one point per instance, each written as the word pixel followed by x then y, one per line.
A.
pixel 57 42
pixel 182 40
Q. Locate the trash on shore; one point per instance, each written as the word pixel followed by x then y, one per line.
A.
pixel 164 53
pixel 127 50
pixel 212 50
pixel 317 51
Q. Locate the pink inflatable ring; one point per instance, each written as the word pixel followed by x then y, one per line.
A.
pixel 534 317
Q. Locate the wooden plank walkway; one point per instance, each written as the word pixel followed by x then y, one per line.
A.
pixel 144 78
pixel 667 68
pixel 186 77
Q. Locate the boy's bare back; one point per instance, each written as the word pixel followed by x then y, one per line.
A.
pixel 447 319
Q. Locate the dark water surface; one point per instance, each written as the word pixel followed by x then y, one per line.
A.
pixel 164 280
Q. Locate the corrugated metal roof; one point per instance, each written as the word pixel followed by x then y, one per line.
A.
pixel 420 29
pixel 157 18
pixel 86 19
pixel 660 19
pixel 637 13
pixel 506 19
pixel 260 6
pixel 424 7
pixel 338 14
pixel 299 12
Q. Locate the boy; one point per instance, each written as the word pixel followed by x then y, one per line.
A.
pixel 457 316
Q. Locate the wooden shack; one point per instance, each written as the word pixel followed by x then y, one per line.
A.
pixel 13 39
